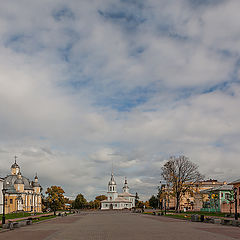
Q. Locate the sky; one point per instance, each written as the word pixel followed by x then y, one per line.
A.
pixel 88 83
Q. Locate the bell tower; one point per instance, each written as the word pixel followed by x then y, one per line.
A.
pixel 112 189
pixel 125 186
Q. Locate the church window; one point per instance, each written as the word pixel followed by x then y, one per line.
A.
pixel 110 188
pixel 11 201
pixel 113 188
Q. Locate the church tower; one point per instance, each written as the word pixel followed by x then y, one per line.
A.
pixel 125 187
pixel 112 189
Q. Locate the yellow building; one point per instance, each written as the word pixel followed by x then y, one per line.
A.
pixel 194 198
pixel 21 193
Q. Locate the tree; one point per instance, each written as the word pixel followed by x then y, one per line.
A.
pixel 230 198
pixel 80 202
pixel 136 199
pixel 97 201
pixel 180 174
pixel 100 198
pixel 55 198
pixel 153 201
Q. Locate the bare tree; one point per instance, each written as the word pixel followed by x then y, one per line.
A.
pixel 180 173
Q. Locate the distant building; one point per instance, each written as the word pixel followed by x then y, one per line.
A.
pixel 115 200
pixel 1 196
pixel 220 199
pixel 21 193
pixel 236 184
pixel 195 197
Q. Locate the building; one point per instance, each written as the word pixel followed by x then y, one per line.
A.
pixel 236 185
pixel 21 193
pixel 115 200
pixel 1 195
pixel 220 199
pixel 195 197
pixel 199 197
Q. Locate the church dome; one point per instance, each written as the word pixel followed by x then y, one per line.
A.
pixel 18 181
pixel 15 165
pixel 112 180
pixel 36 184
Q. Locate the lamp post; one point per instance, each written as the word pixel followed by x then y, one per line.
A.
pixel 3 216
pixel 54 207
pixel 235 199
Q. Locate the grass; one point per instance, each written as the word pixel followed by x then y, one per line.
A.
pixel 43 218
pixel 187 215
pixel 17 215
pixel 180 216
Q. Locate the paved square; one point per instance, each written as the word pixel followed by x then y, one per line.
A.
pixel 121 225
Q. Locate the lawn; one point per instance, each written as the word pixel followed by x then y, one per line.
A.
pixel 17 215
pixel 43 218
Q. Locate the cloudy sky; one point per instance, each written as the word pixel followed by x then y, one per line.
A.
pixel 84 83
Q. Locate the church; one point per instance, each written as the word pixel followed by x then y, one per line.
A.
pixel 116 201
pixel 21 194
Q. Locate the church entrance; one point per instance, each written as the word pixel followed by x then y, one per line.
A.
pixel 111 206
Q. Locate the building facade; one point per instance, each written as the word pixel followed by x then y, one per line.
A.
pixel 21 193
pixel 116 201
pixel 236 185
pixel 195 197
pixel 220 199
pixel 1 195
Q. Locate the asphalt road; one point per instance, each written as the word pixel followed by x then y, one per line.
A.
pixel 121 225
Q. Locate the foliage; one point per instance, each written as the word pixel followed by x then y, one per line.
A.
pixel 180 173
pixel 153 202
pixel 80 202
pixel 97 201
pixel 136 199
pixel 55 198
pixel 101 198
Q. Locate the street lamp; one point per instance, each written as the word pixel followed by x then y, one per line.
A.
pixel 3 216
pixel 235 198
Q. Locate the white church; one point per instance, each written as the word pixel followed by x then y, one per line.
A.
pixel 117 201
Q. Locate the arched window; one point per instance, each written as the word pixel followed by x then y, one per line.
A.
pixel 113 188
pixel 110 188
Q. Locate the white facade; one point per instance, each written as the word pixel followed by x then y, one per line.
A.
pixel 115 200
pixel 1 195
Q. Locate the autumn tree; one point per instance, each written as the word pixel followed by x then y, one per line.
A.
pixel 55 199
pixel 180 173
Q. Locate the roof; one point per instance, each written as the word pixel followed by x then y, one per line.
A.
pixel 218 188
pixel 125 194
pixel 10 180
pixel 235 182
pixel 117 200
pixel 15 165
pixel 112 180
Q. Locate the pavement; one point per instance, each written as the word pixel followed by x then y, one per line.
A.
pixel 121 225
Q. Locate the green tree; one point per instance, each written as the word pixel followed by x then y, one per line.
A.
pixel 136 200
pixel 55 198
pixel 97 201
pixel 153 201
pixel 80 202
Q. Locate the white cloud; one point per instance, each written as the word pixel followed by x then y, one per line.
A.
pixel 67 78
